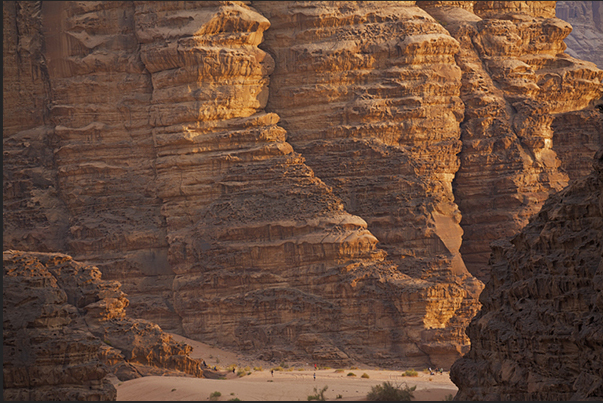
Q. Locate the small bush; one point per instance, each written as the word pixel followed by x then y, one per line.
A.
pixel 215 395
pixel 365 375
pixel 258 369
pixel 241 373
pixel 448 398
pixel 351 374
pixel 173 389
pixel 354 368
pixel 278 368
pixel 319 394
pixel 284 364
pixel 339 397
pixel 410 372
pixel 338 371
pixel 391 393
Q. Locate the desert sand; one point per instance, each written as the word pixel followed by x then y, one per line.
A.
pixel 293 383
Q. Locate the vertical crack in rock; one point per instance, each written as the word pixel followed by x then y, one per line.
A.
pixel 516 83
pixel 105 153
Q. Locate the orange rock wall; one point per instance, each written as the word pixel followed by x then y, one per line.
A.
pixel 290 178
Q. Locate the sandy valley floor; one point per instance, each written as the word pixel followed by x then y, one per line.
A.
pixel 290 384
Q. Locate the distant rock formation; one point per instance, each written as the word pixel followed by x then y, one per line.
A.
pixel 303 194
pixel 538 335
pixel 65 329
pixel 586 40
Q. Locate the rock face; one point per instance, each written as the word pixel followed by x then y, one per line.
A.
pixel 65 329
pixel 289 177
pixel 515 82
pixel 586 40
pixel 538 335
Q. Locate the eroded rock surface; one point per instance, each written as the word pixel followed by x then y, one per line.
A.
pixel 65 329
pixel 538 335
pixel 516 81
pixel 289 195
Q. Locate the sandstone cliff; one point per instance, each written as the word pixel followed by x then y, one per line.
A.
pixel 65 329
pixel 303 193
pixel 586 39
pixel 521 94
pixel 538 335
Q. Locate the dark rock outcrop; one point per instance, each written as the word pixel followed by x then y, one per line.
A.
pixel 65 329
pixel 538 335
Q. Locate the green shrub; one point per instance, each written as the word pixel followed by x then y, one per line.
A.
pixel 410 372
pixel 391 393
pixel 319 394
pixel 258 369
pixel 351 374
pixel 215 395
pixel 339 397
pixel 337 371
pixel 365 375
pixel 449 398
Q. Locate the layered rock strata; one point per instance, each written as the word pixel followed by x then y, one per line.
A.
pixel 263 250
pixel 65 329
pixel 586 39
pixel 105 152
pixel 34 216
pixel 538 335
pixel 144 138
pixel 381 86
pixel 516 81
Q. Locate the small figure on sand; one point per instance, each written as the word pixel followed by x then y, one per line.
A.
pixel 315 376
pixel 441 371
pixel 315 368
pixel 272 372
pixel 233 370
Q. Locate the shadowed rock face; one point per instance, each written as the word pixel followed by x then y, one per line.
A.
pixel 65 329
pixel 538 335
pixel 289 194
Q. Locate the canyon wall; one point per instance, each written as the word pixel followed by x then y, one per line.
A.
pixel 65 329
pixel 310 180
pixel 538 335
pixel 520 92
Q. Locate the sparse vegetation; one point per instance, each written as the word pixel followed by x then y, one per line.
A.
pixel 354 368
pixel 410 372
pixel 319 394
pixel 173 389
pixel 236 399
pixel 258 368
pixel 284 364
pixel 338 371
pixel 351 374
pixel 107 342
pixel 279 368
pixel 215 395
pixel 364 375
pixel 241 373
pixel 426 371
pixel 448 398
pixel 388 392
pixel 339 397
